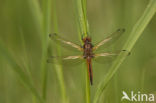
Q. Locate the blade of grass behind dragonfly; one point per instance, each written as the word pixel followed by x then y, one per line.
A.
pixel 136 32
pixel 33 9
pixel 46 11
pixel 25 56
pixel 36 13
pixel 4 53
pixel 84 11
pixel 83 32
pixel 81 17
pixel 57 65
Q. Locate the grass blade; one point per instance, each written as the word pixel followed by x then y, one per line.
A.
pixel 133 37
pixel 46 9
pixel 18 70
pixel 82 20
pixel 57 65
pixel 83 31
pixel 24 78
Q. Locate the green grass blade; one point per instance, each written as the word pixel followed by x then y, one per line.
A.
pixel 18 70
pixel 26 63
pixel 57 64
pixel 61 82
pixel 82 20
pixel 83 32
pixel 24 78
pixel 133 37
pixel 46 9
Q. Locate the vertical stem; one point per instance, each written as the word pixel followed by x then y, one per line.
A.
pixel 57 64
pixel 46 8
pixel 83 32
pixel 81 10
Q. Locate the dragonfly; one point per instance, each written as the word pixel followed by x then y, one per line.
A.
pixel 88 49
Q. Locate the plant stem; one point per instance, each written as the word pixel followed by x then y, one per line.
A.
pixel 134 36
pixel 46 9
pixel 57 64
pixel 82 20
pixel 83 32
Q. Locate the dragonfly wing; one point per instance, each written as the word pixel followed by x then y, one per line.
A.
pixel 108 40
pixel 57 38
pixel 104 54
pixel 73 57
pixel 103 58
pixel 67 61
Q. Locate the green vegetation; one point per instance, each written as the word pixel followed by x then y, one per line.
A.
pixel 26 77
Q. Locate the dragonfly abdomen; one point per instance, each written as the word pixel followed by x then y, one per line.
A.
pixel 90 72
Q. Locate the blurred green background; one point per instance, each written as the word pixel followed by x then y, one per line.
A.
pixel 21 33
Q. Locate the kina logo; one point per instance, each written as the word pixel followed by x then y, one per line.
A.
pixel 140 97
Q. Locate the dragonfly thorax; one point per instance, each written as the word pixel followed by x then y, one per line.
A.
pixel 87 47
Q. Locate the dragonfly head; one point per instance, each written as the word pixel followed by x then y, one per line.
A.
pixel 86 39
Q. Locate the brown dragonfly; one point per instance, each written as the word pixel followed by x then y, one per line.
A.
pixel 88 49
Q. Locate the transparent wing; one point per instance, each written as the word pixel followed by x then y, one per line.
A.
pixel 108 57
pixel 104 54
pixel 66 60
pixel 58 39
pixel 73 57
pixel 108 40
pixel 105 57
